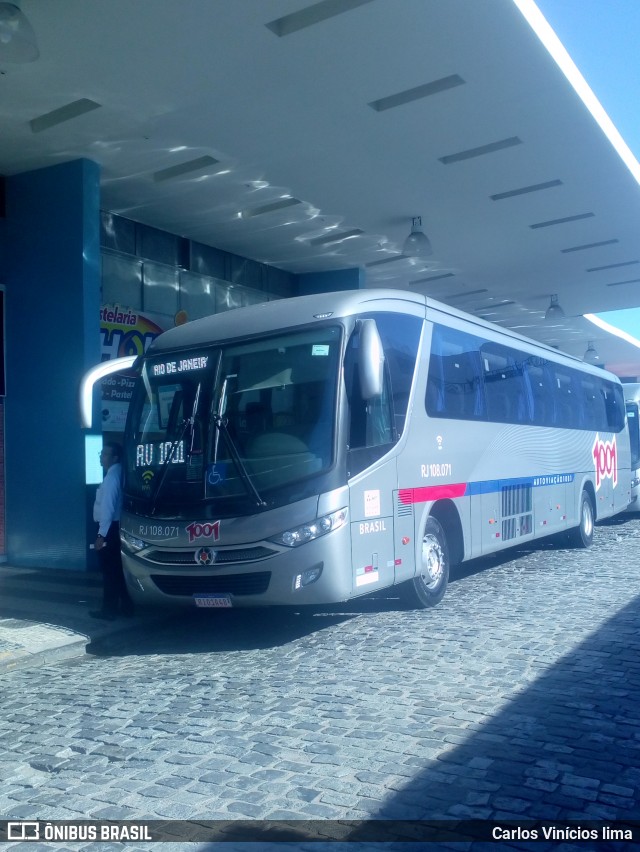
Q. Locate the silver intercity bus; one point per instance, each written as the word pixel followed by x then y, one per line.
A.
pixel 311 450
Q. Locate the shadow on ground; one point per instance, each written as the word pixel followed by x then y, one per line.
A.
pixel 190 631
pixel 564 753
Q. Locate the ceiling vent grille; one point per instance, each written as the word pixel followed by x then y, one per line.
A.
pixel 491 148
pixel 562 221
pixel 590 246
pixel 62 114
pixel 271 207
pixel 181 169
pixel 536 187
pixel 311 15
pixel 417 93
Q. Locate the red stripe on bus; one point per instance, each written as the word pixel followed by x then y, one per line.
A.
pixel 432 492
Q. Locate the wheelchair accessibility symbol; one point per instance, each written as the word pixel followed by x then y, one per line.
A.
pixel 216 473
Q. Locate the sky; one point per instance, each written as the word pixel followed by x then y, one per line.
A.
pixel 602 36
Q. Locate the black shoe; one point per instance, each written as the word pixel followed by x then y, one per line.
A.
pixel 102 614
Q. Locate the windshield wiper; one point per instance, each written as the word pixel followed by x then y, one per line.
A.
pixel 221 426
pixel 188 421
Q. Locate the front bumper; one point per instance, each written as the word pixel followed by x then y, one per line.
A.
pixel 256 574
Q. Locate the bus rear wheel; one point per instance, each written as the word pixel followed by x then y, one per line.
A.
pixel 582 535
pixel 429 585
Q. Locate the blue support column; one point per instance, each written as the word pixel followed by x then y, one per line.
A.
pixel 53 335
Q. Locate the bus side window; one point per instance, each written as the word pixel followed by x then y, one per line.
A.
pixel 595 415
pixel 435 395
pixel 371 420
pixel 504 385
pixel 537 376
pixel 567 411
pixel 400 337
pixel 459 386
pixel 454 386
pixel 614 406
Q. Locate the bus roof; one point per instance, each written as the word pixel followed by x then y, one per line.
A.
pixel 297 311
pixel 285 313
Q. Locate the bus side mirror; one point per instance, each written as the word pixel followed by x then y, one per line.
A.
pixel 370 360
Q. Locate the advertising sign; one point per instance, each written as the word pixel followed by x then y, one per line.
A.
pixel 123 332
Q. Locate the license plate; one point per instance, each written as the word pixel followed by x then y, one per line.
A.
pixel 213 601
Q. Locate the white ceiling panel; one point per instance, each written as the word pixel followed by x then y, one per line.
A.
pixel 291 116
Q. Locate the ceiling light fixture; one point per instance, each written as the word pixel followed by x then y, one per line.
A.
pixel 591 355
pixel 554 311
pixel 417 243
pixel 17 38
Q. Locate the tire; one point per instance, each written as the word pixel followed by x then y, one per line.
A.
pixel 582 535
pixel 429 585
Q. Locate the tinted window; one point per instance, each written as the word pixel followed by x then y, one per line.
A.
pixel 376 424
pixel 454 385
pixel 504 386
pixel 594 414
pixel 539 377
pixel 567 396
pixel 614 405
pixel 400 335
pixel 475 379
pixel 634 433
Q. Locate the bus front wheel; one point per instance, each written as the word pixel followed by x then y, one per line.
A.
pixel 427 588
pixel 582 535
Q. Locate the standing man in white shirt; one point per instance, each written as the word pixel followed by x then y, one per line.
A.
pixel 106 513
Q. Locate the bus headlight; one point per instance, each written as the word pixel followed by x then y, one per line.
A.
pixel 131 542
pixel 307 532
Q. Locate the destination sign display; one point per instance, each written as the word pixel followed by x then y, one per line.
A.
pixel 180 365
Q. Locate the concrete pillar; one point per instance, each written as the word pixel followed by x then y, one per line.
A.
pixel 52 263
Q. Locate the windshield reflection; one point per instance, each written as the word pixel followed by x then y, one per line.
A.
pixel 268 421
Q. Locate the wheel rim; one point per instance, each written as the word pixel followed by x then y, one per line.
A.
pixel 432 567
pixel 587 519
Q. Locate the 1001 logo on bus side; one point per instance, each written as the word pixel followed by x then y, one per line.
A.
pixel 605 459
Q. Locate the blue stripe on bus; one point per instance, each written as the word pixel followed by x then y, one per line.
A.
pixel 431 493
pixel 491 486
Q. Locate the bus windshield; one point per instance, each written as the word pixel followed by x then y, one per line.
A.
pixel 235 421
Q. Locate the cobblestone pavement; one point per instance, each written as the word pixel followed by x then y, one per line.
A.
pixel 517 698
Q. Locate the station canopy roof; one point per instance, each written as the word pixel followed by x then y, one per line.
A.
pixel 308 135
